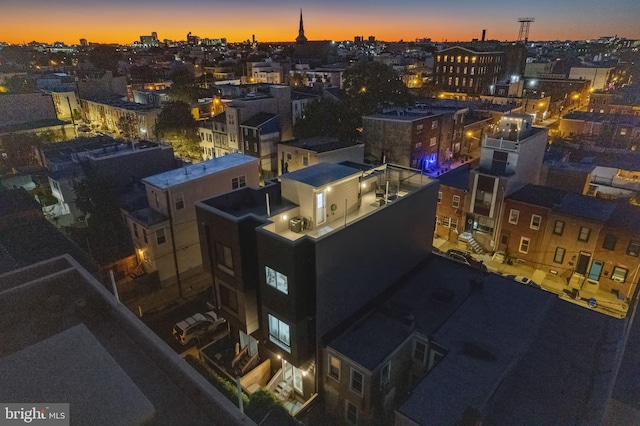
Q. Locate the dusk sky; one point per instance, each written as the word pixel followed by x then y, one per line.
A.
pixel 123 21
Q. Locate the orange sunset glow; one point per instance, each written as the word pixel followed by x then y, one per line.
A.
pixel 118 22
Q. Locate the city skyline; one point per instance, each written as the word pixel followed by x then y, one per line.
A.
pixel 123 22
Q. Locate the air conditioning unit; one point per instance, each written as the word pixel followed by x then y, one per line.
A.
pixel 618 279
pixel 295 224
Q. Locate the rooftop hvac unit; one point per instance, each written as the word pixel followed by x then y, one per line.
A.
pixel 295 224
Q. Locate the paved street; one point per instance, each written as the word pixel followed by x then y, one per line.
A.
pixel 606 303
pixel 162 322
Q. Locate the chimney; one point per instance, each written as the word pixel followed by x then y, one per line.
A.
pixel 484 34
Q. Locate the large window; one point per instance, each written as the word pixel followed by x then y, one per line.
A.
pixel 334 367
pixel 634 248
pixel 356 381
pixel 609 242
pixel 238 182
pixel 524 245
pixel 558 227
pixel 514 215
pixel 224 258
pixel 559 256
pixel 536 220
pixel 279 333
pixel 277 280
pixel 584 234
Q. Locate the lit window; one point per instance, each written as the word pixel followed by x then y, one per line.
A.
pixel 559 256
pixel 535 222
pixel 279 333
pixel 178 201
pixel 619 274
pixel 385 375
pixel 456 201
pixel 334 367
pixel 513 216
pixel 558 228
pixel 584 234
pixel 433 141
pixel 524 245
pixel 276 280
pixel 356 381
pixel 439 197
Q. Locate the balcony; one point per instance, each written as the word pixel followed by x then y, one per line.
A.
pixel 501 144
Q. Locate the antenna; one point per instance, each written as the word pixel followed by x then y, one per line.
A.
pixel 525 23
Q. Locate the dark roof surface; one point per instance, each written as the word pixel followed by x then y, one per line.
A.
pixel 320 144
pixel 456 178
pixel 16 201
pixel 320 174
pixel 258 119
pixel 372 340
pixel 538 195
pixel 586 207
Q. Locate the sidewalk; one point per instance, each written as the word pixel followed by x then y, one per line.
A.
pixel 605 303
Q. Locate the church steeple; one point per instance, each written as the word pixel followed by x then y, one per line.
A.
pixel 301 38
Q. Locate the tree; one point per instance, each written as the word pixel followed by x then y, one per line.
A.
pixel 104 57
pixel 370 85
pixel 177 125
pixel 107 235
pixel 128 126
pixel 20 148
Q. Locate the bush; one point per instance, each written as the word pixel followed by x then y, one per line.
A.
pixel 256 407
pixel 227 388
pixel 262 403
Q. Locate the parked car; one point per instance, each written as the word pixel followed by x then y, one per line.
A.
pixel 466 258
pixel 197 326
pixel 523 280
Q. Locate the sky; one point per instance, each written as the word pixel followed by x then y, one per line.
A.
pixel 123 21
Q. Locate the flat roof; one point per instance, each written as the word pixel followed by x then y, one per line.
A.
pixel 114 397
pixel 538 195
pixel 320 144
pixel 196 171
pixel 498 342
pixel 456 178
pixel 586 207
pixel 321 174
pixel 66 339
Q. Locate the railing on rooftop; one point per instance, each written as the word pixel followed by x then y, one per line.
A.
pixel 502 144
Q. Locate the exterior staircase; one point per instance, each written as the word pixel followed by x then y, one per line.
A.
pixel 472 242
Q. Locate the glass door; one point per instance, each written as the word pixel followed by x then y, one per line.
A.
pixel 321 213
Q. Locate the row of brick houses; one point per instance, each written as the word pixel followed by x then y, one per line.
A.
pixel 566 233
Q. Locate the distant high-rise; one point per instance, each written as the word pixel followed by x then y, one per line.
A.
pixel 83 42
pixel 372 39
pixel 301 38
pixel 154 35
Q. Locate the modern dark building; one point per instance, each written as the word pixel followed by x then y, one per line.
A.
pixel 293 259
